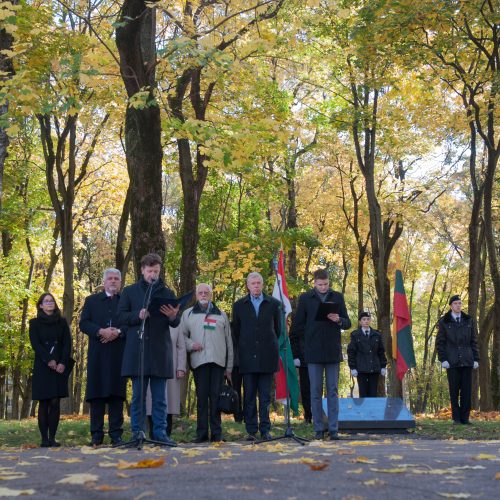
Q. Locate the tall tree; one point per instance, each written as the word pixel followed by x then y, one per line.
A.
pixel 135 39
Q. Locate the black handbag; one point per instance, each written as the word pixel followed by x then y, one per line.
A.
pixel 228 400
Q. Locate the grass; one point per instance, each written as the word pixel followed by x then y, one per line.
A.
pixel 74 430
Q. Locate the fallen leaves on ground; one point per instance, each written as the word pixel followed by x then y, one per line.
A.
pixel 361 443
pixel 8 492
pixel 445 414
pixel 346 452
pixel 375 482
pixel 72 460
pixel 142 464
pixel 362 460
pixel 107 487
pixel 319 466
pixel 485 456
pixel 359 470
pixel 497 475
pixel 79 479
pixel 454 495
pixel 145 494
pixel 394 470
pixel 9 475
pixel 395 457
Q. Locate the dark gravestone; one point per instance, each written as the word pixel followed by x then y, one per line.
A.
pixel 372 414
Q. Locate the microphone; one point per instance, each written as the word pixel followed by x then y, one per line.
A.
pixel 275 264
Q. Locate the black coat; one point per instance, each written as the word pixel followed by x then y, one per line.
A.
pixel 51 340
pixel 104 361
pixel 321 339
pixel 256 337
pixel 366 354
pixel 157 342
pixel 457 342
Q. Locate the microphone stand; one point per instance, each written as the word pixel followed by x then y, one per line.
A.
pixel 289 434
pixel 139 438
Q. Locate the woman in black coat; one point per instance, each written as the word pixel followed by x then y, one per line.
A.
pixel 50 338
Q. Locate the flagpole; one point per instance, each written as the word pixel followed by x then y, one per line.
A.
pixel 289 434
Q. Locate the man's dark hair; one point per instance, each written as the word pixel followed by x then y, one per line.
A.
pixel 151 259
pixel 321 274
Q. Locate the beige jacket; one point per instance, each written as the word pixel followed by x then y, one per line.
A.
pixel 212 331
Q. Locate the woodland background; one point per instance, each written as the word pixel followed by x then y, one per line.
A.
pixel 214 131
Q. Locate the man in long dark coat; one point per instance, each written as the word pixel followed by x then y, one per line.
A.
pixel 158 363
pixel 322 348
pixel 105 385
pixel 256 328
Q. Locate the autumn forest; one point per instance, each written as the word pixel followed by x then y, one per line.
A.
pixel 353 133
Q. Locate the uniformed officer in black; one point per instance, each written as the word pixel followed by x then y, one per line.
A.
pixel 366 356
pixel 456 344
pixel 105 385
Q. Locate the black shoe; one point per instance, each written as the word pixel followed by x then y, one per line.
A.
pixel 265 436
pixel 116 441
pixel 45 443
pixel 200 439
pixel 456 422
pixel 217 439
pixel 95 442
pixel 238 420
pixel 53 443
pixel 466 422
pixel 334 436
pixel 163 438
pixel 308 421
pixel 319 434
pixel 251 437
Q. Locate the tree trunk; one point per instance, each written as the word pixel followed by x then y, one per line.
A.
pixel 135 38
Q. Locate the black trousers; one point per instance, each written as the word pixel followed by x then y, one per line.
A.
pixel 253 384
pixel 305 392
pixel 237 381
pixel 460 384
pixel 367 385
pixel 208 380
pixel 115 418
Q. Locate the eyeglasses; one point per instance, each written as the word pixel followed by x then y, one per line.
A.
pixel 48 301
pixel 203 292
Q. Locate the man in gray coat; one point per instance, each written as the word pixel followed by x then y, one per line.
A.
pixel 158 364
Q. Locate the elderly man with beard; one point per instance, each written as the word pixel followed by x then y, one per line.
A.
pixel 105 385
pixel 208 340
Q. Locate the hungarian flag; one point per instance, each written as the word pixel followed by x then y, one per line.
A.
pixel 289 379
pixel 402 340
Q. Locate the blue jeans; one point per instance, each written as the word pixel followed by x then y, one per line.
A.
pixel 332 394
pixel 159 405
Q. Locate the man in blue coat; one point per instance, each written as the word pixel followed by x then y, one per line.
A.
pixel 256 328
pixel 105 385
pixel 322 348
pixel 158 363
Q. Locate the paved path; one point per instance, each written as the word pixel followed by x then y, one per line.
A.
pixel 353 469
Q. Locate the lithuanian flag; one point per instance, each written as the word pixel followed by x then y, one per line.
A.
pixel 402 340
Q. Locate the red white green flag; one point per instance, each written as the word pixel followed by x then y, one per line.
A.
pixel 209 323
pixel 402 340
pixel 289 379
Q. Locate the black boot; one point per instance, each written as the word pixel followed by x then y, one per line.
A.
pixel 169 424
pixel 150 426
